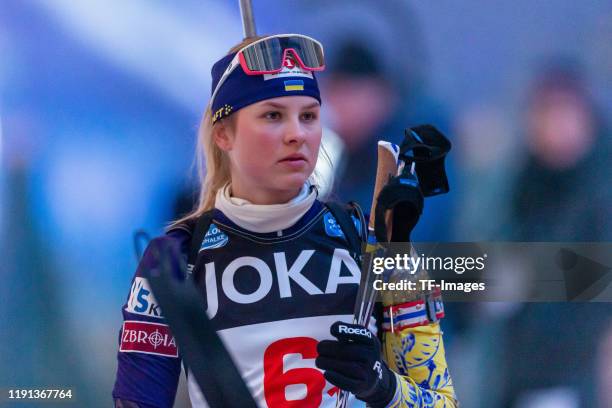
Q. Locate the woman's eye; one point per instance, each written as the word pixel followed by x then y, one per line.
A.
pixel 272 115
pixel 308 116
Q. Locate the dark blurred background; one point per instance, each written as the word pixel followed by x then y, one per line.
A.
pixel 99 107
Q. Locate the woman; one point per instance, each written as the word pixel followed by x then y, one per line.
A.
pixel 275 266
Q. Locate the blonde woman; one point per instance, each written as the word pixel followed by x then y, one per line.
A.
pixel 275 265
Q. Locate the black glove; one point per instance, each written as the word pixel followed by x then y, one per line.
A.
pixel 354 363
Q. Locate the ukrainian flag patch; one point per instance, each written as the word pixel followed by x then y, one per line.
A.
pixel 294 85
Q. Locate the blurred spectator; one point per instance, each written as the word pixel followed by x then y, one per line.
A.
pixel 373 89
pixel 563 191
pixel 359 101
pixel 562 194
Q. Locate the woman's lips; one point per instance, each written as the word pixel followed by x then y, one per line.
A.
pixel 294 161
pixel 294 158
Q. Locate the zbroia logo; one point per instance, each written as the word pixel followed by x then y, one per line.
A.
pixel 148 338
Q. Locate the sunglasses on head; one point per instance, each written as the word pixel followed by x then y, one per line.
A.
pixel 269 55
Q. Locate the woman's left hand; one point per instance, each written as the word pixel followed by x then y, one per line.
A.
pixel 354 363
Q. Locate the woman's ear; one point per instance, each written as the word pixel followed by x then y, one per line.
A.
pixel 223 137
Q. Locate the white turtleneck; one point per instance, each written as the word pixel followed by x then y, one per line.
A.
pixel 265 218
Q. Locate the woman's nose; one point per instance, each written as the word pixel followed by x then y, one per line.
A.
pixel 294 131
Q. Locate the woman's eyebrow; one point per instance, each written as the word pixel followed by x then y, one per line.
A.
pixel 274 105
pixel 281 106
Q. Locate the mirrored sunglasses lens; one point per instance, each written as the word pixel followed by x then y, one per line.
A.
pixel 264 56
pixel 309 51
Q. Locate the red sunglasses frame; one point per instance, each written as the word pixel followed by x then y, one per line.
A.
pixel 247 71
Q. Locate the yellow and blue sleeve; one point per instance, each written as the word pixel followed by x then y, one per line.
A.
pixel 416 356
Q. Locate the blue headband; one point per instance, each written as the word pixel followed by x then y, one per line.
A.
pixel 240 90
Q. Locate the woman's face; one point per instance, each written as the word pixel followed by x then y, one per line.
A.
pixel 273 147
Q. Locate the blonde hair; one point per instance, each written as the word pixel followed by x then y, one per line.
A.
pixel 213 163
